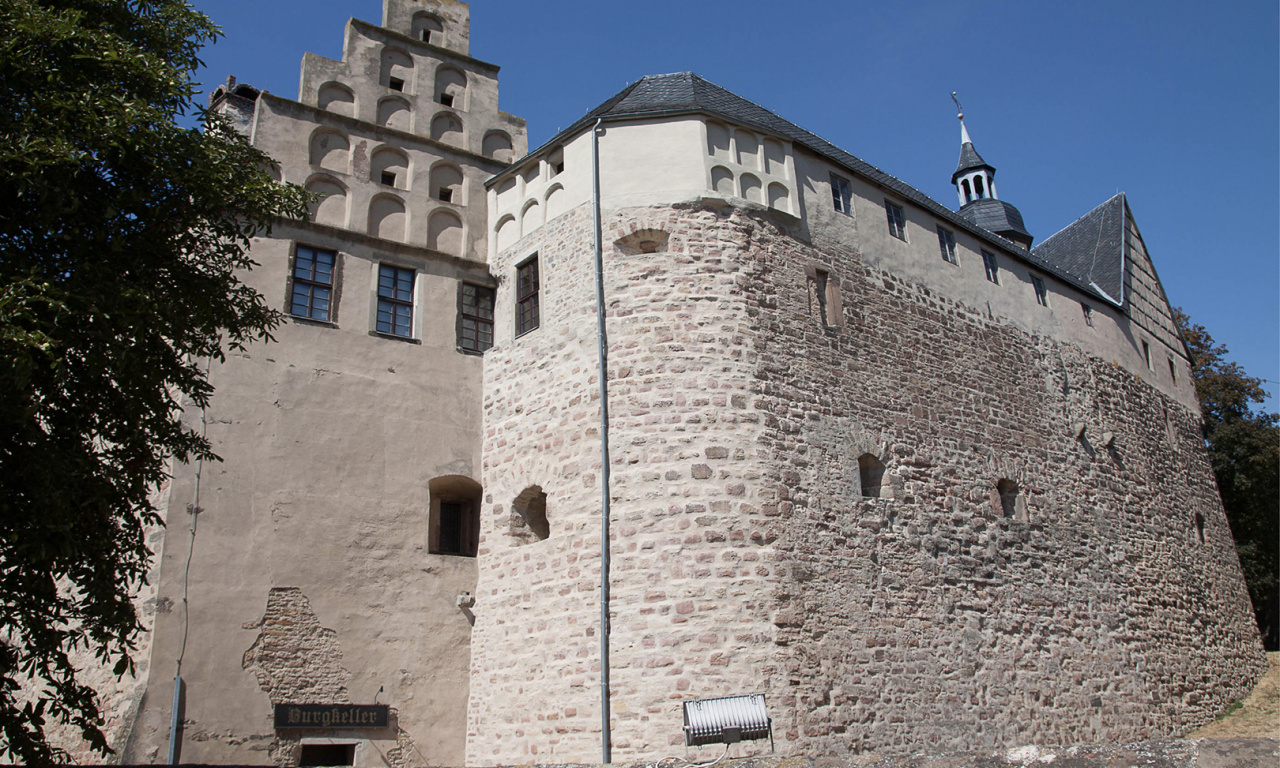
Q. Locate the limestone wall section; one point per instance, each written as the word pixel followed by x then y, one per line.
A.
pixel 746 558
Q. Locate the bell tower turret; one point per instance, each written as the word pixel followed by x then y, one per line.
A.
pixel 975 181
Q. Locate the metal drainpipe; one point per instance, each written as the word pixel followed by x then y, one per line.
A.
pixel 606 748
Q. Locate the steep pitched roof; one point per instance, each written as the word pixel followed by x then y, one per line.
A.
pixel 681 93
pixel 969 160
pixel 1091 249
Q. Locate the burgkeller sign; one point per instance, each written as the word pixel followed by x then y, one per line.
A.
pixel 331 715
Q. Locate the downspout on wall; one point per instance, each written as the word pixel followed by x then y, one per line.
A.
pixel 603 356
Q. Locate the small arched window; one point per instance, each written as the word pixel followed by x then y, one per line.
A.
pixel 446 184
pixel 428 28
pixel 397 70
pixel 871 475
pixel 968 193
pixel 451 88
pixel 389 167
pixel 977 187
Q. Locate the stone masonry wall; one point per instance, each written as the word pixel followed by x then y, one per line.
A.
pixel 933 620
pixel 744 557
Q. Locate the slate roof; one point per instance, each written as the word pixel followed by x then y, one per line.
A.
pixel 681 93
pixel 1091 249
pixel 996 216
pixel 969 160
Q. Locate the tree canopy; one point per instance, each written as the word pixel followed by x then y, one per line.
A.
pixel 1244 446
pixel 122 236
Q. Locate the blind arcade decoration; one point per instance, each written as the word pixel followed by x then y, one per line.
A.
pixel 331 715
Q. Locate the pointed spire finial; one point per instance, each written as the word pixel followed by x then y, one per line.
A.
pixel 964 132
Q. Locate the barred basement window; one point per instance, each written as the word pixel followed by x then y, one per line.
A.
pixel 327 754
pixel 475 318
pixel 312 283
pixel 989 264
pixel 841 195
pixel 455 516
pixel 897 220
pixel 947 244
pixel 395 301
pixel 1042 294
pixel 527 287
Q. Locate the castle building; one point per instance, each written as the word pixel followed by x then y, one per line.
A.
pixel 923 482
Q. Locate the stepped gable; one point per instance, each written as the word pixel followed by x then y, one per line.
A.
pixel 1090 250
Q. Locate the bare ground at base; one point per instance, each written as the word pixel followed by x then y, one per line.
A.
pixel 1257 715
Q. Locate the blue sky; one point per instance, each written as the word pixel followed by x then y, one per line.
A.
pixel 1175 103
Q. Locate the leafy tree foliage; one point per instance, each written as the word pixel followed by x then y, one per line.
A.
pixel 121 238
pixel 1244 446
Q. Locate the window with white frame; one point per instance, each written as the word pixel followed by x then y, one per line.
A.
pixel 395 301
pixel 841 195
pixel 1042 293
pixel 947 244
pixel 992 269
pixel 897 220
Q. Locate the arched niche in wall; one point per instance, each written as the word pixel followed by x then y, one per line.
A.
pixel 397 70
pixel 331 150
pixel 717 140
pixel 331 205
pixel 337 98
pixel 394 112
pixel 444 232
pixel 506 193
pixel 451 88
pixel 556 201
pixel 530 217
pixel 871 476
pixel 428 28
pixel 748 148
pixel 751 188
pixel 507 231
pixel 779 197
pixel 387 218
pixel 390 167
pixel 643 241
pixel 498 146
pixel 722 181
pixel 446 183
pixel 447 127
pixel 775 158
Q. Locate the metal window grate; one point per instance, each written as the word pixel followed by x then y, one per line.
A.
pixel 726 720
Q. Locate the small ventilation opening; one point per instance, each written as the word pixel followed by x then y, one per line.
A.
pixel 388 178
pixel 446 99
pixel 1008 491
pixel 327 754
pixel 396 84
pixel 426 35
pixel 871 473
pixel 446 194
pixel 1200 526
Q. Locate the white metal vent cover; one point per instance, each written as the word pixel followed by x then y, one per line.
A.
pixel 726 720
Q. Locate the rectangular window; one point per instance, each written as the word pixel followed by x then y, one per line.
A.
pixel 312 283
pixel 445 194
pixel 947 244
pixel 446 99
pixel 389 178
pixel 475 318
pixel 1146 355
pixel 527 296
pixel 450 528
pixel 1088 314
pixel 426 35
pixel 1042 294
pixel 841 195
pixel 395 84
pixel 989 264
pixel 897 221
pixel 395 301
